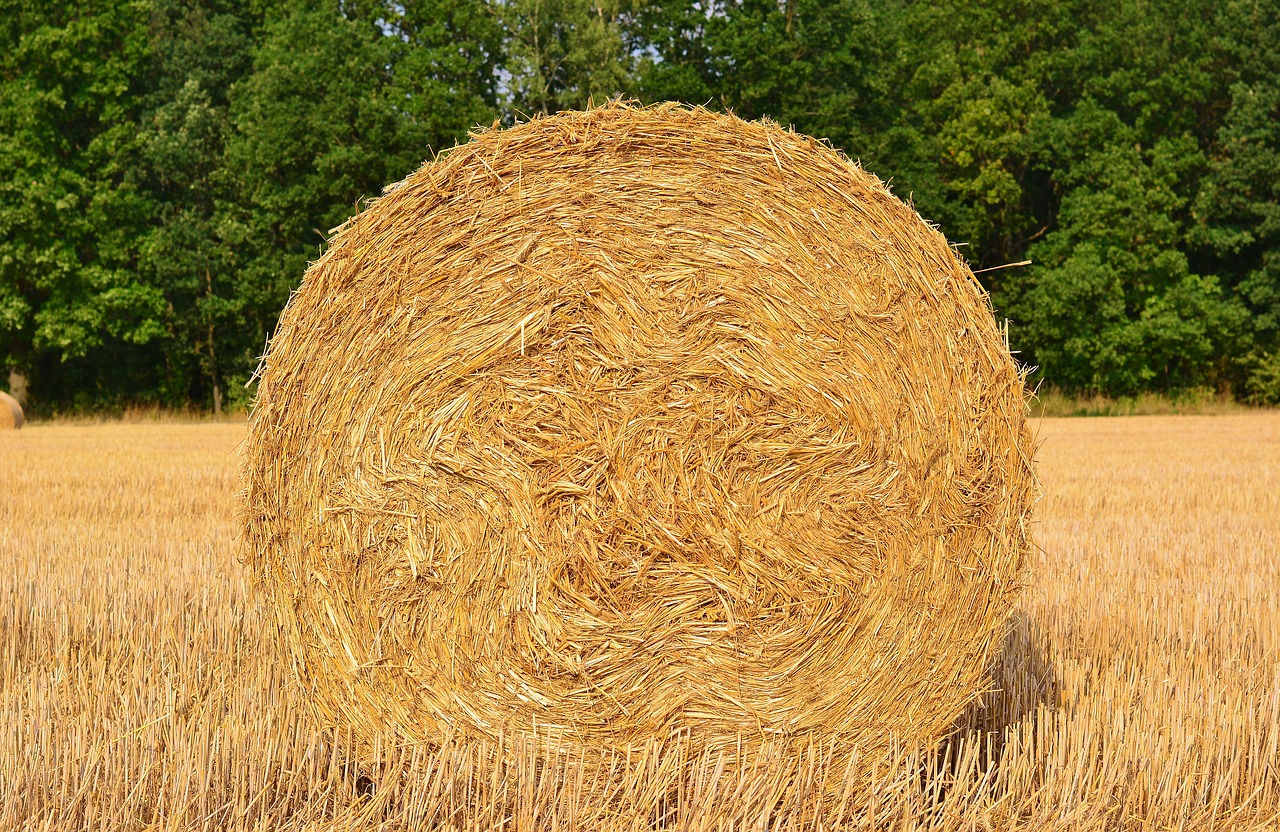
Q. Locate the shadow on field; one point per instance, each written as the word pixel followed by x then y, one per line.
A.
pixel 1022 681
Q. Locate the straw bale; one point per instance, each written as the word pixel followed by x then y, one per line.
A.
pixel 11 417
pixel 638 423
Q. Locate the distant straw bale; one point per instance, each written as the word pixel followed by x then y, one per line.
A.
pixel 638 423
pixel 11 417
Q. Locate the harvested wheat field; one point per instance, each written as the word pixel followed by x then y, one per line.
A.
pixel 1139 685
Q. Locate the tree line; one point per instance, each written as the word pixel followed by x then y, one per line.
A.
pixel 169 167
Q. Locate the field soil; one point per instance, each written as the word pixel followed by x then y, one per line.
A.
pixel 141 687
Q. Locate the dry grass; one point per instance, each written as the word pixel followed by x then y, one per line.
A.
pixel 641 423
pixel 1049 403
pixel 140 689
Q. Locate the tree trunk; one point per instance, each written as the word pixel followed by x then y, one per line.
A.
pixel 18 387
pixel 214 378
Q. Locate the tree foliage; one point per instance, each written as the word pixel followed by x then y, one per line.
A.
pixel 170 166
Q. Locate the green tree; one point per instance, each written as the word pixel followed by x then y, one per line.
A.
pixel 336 107
pixel 169 166
pixel 1111 305
pixel 562 54
pixel 198 53
pixel 1237 209
pixel 72 304
pixel 446 66
pixel 820 66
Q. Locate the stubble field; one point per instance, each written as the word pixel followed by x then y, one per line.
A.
pixel 1139 687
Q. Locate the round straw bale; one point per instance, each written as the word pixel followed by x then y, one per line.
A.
pixel 640 422
pixel 11 417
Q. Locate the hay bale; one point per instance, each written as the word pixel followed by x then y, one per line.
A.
pixel 635 423
pixel 11 417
